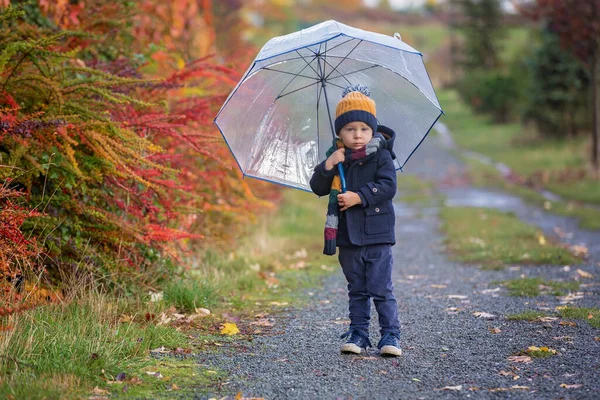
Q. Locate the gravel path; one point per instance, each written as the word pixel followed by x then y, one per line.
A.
pixel 448 351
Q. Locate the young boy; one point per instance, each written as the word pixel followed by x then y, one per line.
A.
pixel 361 221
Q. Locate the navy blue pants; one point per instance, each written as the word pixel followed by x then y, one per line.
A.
pixel 368 270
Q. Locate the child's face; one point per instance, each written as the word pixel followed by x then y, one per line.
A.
pixel 356 134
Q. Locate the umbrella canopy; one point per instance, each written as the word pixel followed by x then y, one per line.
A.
pixel 278 120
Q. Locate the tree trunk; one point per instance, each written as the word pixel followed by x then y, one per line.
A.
pixel 595 110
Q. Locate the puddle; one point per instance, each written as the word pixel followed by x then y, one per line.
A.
pixel 474 197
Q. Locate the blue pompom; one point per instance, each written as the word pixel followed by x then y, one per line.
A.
pixel 357 88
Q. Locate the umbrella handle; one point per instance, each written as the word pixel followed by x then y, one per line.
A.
pixel 342 177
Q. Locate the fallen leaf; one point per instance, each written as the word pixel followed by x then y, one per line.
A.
pixel 520 359
pixel 480 314
pixel 277 303
pixel 174 387
pixel 155 296
pixel 543 349
pixel 575 386
pixel 97 390
pixel 161 349
pixel 517 387
pixel 512 374
pixel 488 291
pixel 164 319
pixel 542 240
pixel 262 322
pixel 597 338
pixel 570 297
pixel 585 274
pixel 342 322
pixel 495 330
pixel 125 318
pixel 451 388
pixel 567 323
pixel 438 286
pixel 229 329
pixel 547 319
pixel 563 338
pixel 580 250
pixel 202 312
pixel 453 310
pixel 383 372
pixel 457 296
pixel 416 379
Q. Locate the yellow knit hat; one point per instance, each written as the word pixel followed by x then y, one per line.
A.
pixel 355 105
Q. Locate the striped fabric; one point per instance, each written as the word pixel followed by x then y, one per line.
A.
pixel 333 209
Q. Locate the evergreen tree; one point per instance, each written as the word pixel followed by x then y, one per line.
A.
pixel 481 31
pixel 557 88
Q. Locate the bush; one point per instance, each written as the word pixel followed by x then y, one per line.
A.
pixel 491 92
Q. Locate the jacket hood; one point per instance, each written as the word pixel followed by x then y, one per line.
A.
pixel 389 136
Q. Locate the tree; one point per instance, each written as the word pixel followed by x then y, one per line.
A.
pixel 556 88
pixel 481 31
pixel 577 23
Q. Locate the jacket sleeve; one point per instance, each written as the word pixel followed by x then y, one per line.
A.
pixel 320 182
pixel 383 188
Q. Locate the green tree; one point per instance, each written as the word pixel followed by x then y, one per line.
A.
pixel 557 88
pixel 480 26
pixel 577 24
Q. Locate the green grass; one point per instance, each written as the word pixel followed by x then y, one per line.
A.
pixel 476 235
pixel 529 315
pixel 530 158
pixel 582 313
pixel 187 295
pixel 413 190
pixel 533 287
pixel 58 348
pixel 281 255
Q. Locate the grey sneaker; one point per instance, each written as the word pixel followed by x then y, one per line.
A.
pixel 388 345
pixel 357 341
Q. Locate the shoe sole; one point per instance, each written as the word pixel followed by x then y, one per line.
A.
pixel 351 348
pixel 390 351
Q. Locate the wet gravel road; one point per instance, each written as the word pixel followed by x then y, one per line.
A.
pixel 449 352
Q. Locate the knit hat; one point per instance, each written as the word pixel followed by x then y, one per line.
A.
pixel 355 105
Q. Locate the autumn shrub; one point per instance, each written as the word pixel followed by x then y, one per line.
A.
pixel 123 173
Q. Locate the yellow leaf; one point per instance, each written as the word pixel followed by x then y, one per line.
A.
pixel 584 274
pixel 229 329
pixel 542 240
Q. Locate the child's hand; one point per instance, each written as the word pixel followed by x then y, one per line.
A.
pixel 334 159
pixel 348 199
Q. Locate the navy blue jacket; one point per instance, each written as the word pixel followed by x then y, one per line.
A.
pixel 374 180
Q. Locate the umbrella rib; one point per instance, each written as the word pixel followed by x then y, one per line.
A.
pixel 336 85
pixel 296 90
pixel 307 63
pixel 292 80
pixel 334 69
pixel 353 72
pixel 343 59
pixel 341 44
pixel 290 73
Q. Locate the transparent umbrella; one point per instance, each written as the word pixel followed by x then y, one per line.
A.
pixel 277 121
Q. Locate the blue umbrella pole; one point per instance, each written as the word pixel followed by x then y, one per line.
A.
pixel 340 166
